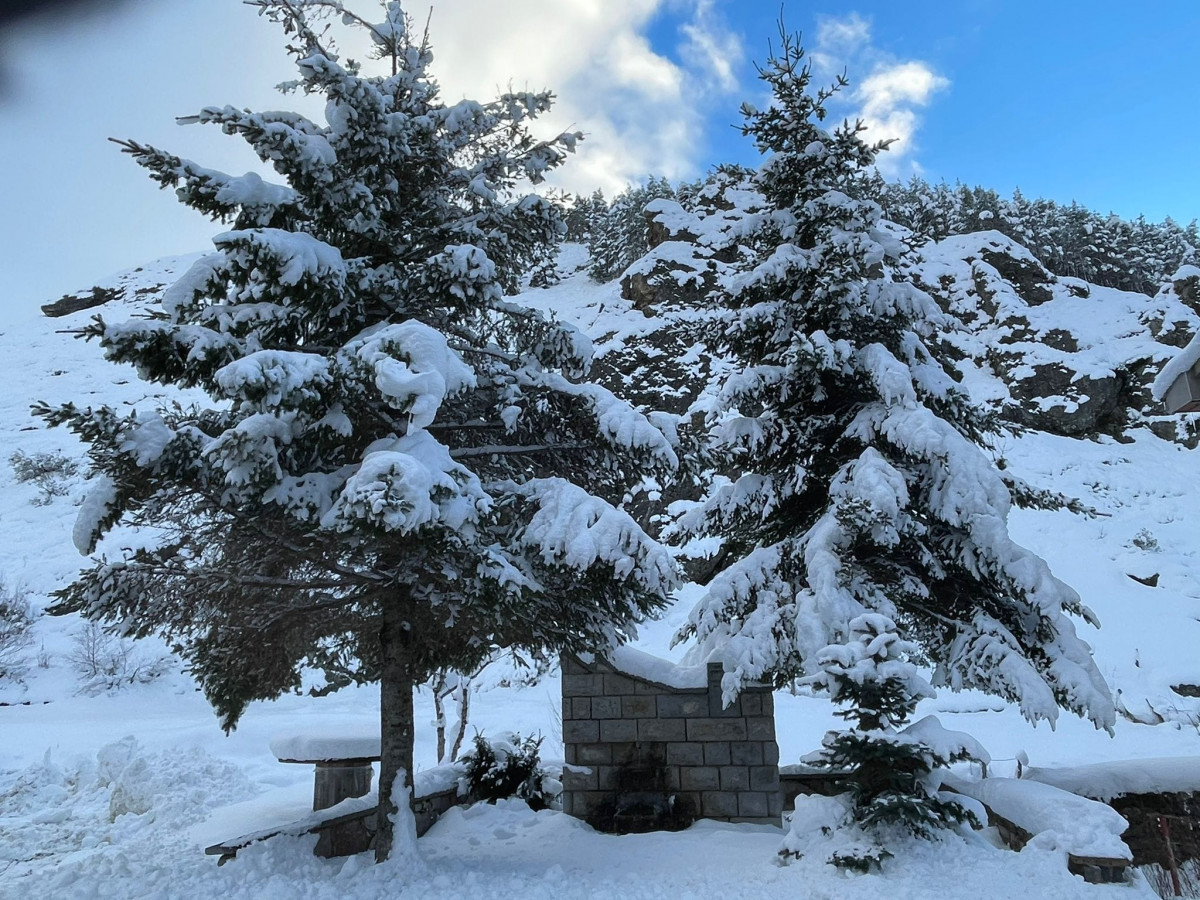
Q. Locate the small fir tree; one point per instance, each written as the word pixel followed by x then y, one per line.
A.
pixel 398 471
pixel 872 675
pixel 855 483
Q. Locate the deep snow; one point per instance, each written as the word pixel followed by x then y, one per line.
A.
pixel 114 792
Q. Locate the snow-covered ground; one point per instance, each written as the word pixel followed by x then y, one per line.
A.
pixel 113 791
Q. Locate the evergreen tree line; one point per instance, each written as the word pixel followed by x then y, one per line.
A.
pixel 1069 240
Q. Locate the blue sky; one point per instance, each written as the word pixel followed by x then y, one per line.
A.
pixel 1091 101
pixel 1096 102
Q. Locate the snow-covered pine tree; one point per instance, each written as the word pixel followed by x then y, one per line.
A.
pixel 622 237
pixel 398 471
pixel 873 676
pixel 584 215
pixel 857 485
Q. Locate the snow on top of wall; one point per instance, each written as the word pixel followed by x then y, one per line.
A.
pixel 1104 781
pixel 647 667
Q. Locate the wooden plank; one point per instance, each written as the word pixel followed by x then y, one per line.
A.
pixel 340 834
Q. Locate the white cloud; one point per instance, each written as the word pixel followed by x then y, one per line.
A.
pixel 638 109
pixel 78 209
pixel 890 96
pixel 712 50
pixel 838 40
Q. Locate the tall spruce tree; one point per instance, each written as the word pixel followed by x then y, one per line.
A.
pixel 866 525
pixel 398 471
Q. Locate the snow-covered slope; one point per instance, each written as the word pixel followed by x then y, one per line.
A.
pixel 1058 354
pixel 85 812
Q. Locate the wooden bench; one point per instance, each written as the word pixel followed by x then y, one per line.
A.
pixel 342 779
pixel 342 835
pixel 345 834
pixel 343 763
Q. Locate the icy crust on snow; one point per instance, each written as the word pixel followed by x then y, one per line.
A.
pixel 315 745
pixel 1058 820
pixel 1104 781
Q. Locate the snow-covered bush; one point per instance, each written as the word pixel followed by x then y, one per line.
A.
pixel 50 472
pixel 892 788
pixel 823 827
pixel 1145 540
pixel 16 620
pixel 105 661
pixel 509 766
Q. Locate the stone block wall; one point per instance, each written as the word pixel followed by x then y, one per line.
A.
pixel 635 743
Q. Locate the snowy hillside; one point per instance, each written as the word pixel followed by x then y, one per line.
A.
pixel 111 782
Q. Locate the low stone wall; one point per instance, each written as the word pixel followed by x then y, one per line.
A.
pixel 641 754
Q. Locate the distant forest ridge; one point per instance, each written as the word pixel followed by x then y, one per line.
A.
pixel 1069 240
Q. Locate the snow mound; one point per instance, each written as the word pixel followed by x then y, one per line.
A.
pixel 1057 820
pixel 643 665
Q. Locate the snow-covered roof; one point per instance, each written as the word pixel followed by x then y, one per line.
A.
pixel 1181 363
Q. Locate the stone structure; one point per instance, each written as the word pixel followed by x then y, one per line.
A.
pixel 644 755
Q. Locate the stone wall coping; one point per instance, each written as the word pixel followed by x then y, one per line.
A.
pixel 651 669
pixel 656 671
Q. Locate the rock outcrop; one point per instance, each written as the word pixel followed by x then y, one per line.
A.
pixel 1055 354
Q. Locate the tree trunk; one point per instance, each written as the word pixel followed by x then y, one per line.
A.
pixel 439 714
pixel 464 712
pixel 395 722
